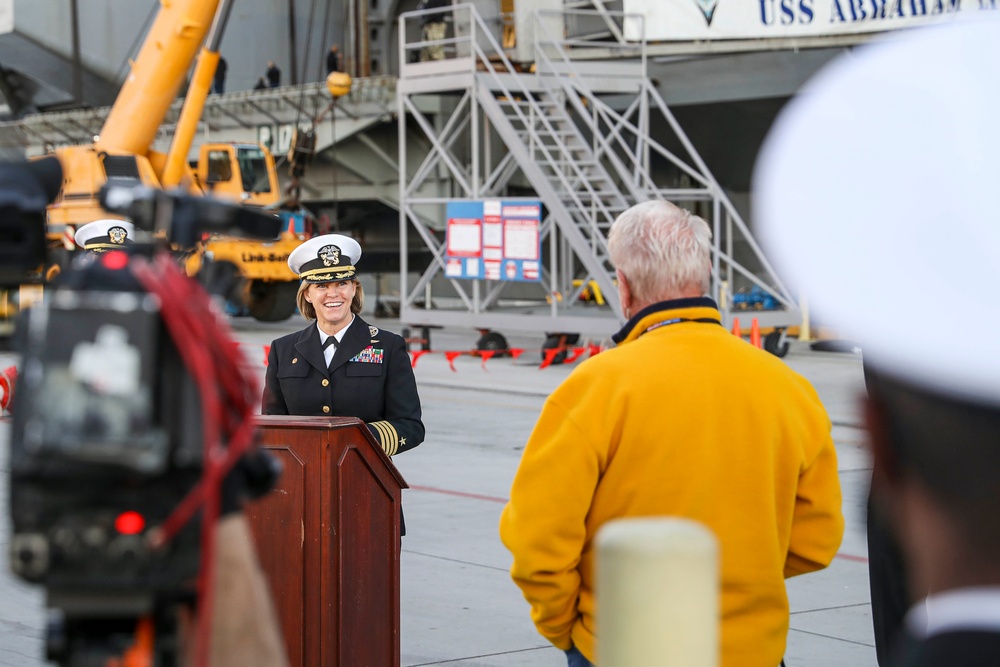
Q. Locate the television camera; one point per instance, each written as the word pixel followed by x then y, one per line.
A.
pixel 132 424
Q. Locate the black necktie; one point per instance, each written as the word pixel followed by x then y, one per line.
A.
pixel 330 342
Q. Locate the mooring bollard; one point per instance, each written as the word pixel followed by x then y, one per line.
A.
pixel 657 594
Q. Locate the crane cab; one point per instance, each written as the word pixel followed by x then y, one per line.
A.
pixel 242 173
pixel 85 171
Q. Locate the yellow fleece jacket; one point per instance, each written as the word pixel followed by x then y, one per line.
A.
pixel 681 419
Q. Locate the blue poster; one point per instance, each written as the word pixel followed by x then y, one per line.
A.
pixel 494 239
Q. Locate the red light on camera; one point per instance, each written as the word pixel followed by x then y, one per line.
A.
pixel 130 523
pixel 115 260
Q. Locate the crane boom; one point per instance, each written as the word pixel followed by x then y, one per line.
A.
pixel 123 154
pixel 194 101
pixel 156 75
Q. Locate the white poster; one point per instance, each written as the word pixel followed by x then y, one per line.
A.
pixel 671 20
pixel 493 233
pixel 520 239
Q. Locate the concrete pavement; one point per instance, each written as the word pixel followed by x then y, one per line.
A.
pixel 459 606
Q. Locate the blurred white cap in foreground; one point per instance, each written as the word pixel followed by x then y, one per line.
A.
pixel 877 193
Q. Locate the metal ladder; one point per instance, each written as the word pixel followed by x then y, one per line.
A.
pixel 582 198
pixel 623 143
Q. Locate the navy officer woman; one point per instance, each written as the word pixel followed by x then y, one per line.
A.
pixel 341 365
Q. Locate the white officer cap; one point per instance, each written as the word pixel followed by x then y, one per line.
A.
pixel 103 235
pixel 876 192
pixel 327 258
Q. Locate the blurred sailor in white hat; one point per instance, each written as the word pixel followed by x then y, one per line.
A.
pixel 877 193
pixel 341 365
pixel 103 235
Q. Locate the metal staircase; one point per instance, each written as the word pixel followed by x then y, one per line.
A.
pixel 586 153
pixel 624 142
pixel 574 186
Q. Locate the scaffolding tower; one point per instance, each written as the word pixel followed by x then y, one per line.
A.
pixel 574 132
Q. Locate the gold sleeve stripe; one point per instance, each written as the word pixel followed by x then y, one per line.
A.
pixel 393 438
pixel 390 438
pixel 382 438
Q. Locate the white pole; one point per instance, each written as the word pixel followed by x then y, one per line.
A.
pixel 805 333
pixel 657 594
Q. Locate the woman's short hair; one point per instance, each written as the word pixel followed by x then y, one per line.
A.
pixel 663 250
pixel 307 310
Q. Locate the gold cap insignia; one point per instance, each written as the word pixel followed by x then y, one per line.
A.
pixel 117 235
pixel 330 254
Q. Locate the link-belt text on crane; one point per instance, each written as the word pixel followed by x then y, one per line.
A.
pixel 261 257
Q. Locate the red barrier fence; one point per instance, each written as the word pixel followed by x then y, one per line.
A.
pixel 570 354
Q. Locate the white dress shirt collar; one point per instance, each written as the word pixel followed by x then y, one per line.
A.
pixel 958 609
pixel 328 352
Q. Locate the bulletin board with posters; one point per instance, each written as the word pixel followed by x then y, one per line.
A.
pixel 494 239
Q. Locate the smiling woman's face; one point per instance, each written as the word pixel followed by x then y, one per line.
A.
pixel 332 302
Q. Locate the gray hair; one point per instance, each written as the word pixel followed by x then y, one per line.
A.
pixel 662 250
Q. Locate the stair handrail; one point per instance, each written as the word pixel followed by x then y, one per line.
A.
pixel 637 180
pixel 574 87
pixel 568 185
pixel 597 239
pixel 529 98
pixel 567 188
pixel 777 288
pixel 574 84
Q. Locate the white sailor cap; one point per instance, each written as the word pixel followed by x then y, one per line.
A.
pixel 876 193
pixel 327 258
pixel 104 235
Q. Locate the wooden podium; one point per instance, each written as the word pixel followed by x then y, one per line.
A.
pixel 328 539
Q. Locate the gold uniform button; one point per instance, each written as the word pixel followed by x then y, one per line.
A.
pixel 326 408
pixel 295 360
pixel 326 383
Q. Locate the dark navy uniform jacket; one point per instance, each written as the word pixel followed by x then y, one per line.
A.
pixel 952 648
pixel 370 378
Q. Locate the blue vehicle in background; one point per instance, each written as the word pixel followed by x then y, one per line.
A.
pixel 754 299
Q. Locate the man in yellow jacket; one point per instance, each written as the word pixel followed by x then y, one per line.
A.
pixel 681 419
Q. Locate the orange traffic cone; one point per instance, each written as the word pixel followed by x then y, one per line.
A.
pixel 736 328
pixel 755 334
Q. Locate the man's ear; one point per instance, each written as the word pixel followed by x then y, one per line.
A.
pixel 885 465
pixel 624 293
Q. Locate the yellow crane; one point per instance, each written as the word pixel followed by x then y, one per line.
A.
pixel 122 154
